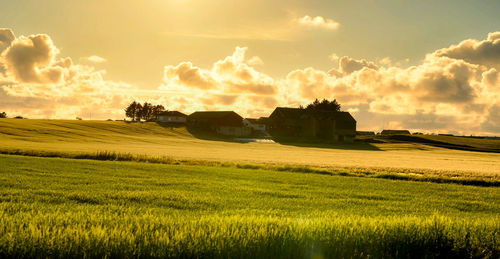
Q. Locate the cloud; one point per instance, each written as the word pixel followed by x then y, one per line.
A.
pixel 6 37
pixel 348 65
pixel 226 99
pixel 38 84
pixel 485 52
pixel 453 89
pixel 492 121
pixel 318 22
pixel 95 59
pixel 255 61
pixel 441 93
pixel 188 75
pixel 231 75
pixel 385 61
pixel 333 57
pixel 32 60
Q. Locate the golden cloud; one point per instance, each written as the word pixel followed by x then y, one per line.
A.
pixel 32 60
pixel 485 52
pixel 455 88
pixel 319 22
pixel 95 59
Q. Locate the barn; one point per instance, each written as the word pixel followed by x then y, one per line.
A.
pixel 226 123
pixel 326 125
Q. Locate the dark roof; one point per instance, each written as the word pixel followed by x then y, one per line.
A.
pixel 172 113
pixel 344 116
pixel 297 113
pixel 215 118
pixel 211 114
pixel 288 112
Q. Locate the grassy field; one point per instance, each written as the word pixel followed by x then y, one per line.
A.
pixel 84 208
pixel 153 139
pixel 172 192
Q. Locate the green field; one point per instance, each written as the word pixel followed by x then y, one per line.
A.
pixel 171 192
pixel 71 208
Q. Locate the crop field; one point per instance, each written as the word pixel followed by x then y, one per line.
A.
pixel 153 139
pixel 171 192
pixel 60 207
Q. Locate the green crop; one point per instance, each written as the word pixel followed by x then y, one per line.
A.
pixel 55 207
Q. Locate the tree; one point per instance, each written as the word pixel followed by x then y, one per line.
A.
pixel 138 112
pixel 131 110
pixel 324 105
pixel 3 115
pixel 147 110
pixel 157 109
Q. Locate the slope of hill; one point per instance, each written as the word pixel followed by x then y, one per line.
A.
pixel 71 136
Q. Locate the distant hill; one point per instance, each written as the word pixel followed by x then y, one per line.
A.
pixel 444 153
pixel 444 141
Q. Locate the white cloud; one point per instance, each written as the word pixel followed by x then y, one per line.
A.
pixel 95 59
pixel 255 61
pixel 319 22
pixel 385 61
pixel 333 57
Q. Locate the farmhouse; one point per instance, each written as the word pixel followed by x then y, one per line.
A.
pixel 226 123
pixel 172 116
pixel 329 125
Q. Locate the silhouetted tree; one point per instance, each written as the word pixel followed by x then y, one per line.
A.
pixel 3 115
pixel 138 112
pixel 147 111
pixel 131 110
pixel 157 109
pixel 324 105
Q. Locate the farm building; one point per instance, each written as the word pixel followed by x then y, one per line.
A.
pixel 172 116
pixel 254 124
pixel 226 123
pixel 330 125
pixel 395 132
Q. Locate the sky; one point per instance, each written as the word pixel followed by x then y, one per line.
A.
pixel 430 66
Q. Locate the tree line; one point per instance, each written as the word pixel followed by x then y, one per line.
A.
pixel 147 111
pixel 323 105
